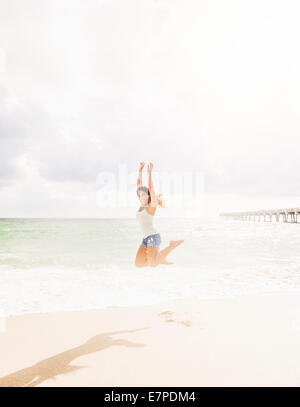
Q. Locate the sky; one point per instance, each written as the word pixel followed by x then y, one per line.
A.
pixel 207 87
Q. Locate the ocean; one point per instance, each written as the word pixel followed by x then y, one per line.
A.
pixel 49 265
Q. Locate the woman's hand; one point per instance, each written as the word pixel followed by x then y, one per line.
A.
pixel 150 167
pixel 142 165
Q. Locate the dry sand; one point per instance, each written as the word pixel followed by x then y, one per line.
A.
pixel 252 341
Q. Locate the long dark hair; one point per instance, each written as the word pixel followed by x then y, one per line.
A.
pixel 146 190
pixel 159 197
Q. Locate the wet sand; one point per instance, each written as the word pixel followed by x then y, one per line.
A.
pixel 250 341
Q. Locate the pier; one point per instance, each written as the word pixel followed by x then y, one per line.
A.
pixel 288 215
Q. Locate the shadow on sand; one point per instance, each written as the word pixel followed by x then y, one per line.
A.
pixel 61 363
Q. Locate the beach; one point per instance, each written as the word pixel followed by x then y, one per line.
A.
pixel 127 128
pixel 246 341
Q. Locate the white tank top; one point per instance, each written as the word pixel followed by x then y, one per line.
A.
pixel 146 221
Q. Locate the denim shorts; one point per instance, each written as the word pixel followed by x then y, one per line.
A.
pixel 152 240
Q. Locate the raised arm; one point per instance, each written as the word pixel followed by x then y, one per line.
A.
pixel 151 187
pixel 139 180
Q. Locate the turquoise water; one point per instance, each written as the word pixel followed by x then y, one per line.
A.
pixel 53 265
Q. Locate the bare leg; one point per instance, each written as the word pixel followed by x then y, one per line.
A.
pixel 141 257
pixel 163 253
pixel 156 257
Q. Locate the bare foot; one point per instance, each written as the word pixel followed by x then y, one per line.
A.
pixel 175 243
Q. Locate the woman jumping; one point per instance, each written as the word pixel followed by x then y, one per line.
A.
pixel 148 253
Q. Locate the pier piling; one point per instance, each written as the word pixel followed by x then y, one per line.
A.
pixel 288 215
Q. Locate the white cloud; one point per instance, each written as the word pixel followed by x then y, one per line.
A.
pixel 209 86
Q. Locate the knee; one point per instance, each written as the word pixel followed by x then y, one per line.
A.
pixel 152 262
pixel 138 264
pixel 152 259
